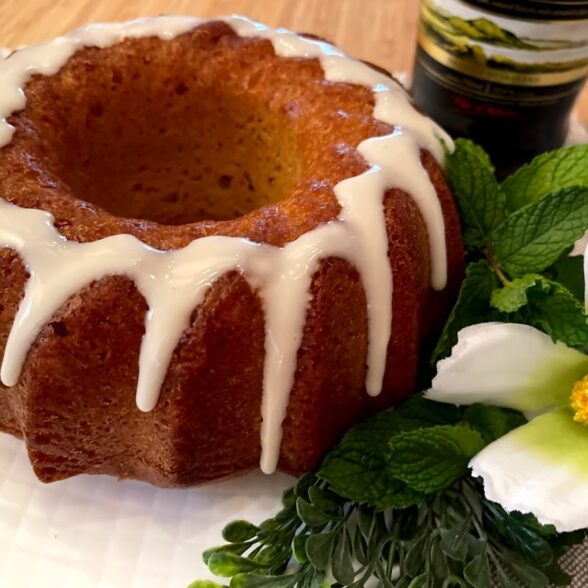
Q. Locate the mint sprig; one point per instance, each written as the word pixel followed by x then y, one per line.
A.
pixel 550 172
pixel 481 200
pixel 520 272
pixel 532 238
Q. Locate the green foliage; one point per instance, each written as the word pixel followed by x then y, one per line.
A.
pixel 454 539
pixel 533 237
pixel 430 460
pixel 481 201
pixel 522 272
pixel 393 502
pixel 472 306
pixel 548 173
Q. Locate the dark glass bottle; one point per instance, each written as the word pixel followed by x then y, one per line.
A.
pixel 503 73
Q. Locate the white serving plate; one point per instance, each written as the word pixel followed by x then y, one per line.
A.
pixel 98 532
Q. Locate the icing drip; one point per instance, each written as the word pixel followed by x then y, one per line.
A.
pixel 174 283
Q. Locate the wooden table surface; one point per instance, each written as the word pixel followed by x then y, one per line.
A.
pixel 381 31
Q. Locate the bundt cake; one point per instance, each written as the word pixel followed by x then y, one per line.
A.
pixel 219 243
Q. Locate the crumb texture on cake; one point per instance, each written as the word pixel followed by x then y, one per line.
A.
pixel 214 239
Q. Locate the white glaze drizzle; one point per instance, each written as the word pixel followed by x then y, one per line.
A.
pixel 175 282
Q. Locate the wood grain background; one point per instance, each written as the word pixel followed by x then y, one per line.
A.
pixel 381 31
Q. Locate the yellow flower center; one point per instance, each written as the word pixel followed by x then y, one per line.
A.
pixel 579 400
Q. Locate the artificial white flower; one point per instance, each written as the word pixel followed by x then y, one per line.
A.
pixel 581 248
pixel 541 467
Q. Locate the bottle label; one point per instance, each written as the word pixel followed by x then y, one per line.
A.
pixel 479 39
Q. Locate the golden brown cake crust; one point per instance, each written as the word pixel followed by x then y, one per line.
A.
pixel 79 151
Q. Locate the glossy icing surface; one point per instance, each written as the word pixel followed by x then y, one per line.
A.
pixel 175 282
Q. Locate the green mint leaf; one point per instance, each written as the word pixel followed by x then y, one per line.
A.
pixel 417 412
pixel 521 536
pixel 357 468
pixel 552 171
pixel 513 296
pixel 569 272
pixel 556 311
pixel 430 460
pixel 205 584
pixel 492 422
pixel 532 238
pixel 480 199
pixel 359 471
pixel 472 306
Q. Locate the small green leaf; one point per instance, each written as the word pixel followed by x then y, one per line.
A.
pixel 415 556
pixel 492 422
pixel 438 562
pixel 319 549
pixel 288 498
pixel 528 575
pixel 430 460
pixel 417 412
pixel 569 272
pixel 504 579
pixel 341 563
pixel 556 311
pixel 257 581
pixel 356 468
pixel 550 172
pixel 532 238
pixel 421 581
pixel 365 520
pixel 520 534
pixel 477 572
pixel 205 584
pixel 299 548
pixel 303 484
pixel 513 296
pixel 324 500
pixel 227 565
pixel 481 201
pixel 239 531
pixel 472 306
pixel 311 515
pixel 455 541
pixel 237 548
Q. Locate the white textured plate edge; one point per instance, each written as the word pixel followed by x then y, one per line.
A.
pixel 97 532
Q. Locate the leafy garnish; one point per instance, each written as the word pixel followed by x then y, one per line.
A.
pixel 481 201
pixel 456 539
pixel 532 238
pixel 473 305
pixel 548 173
pixel 521 272
pixel 432 459
pixel 393 504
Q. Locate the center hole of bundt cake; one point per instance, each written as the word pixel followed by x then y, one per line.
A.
pixel 169 151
